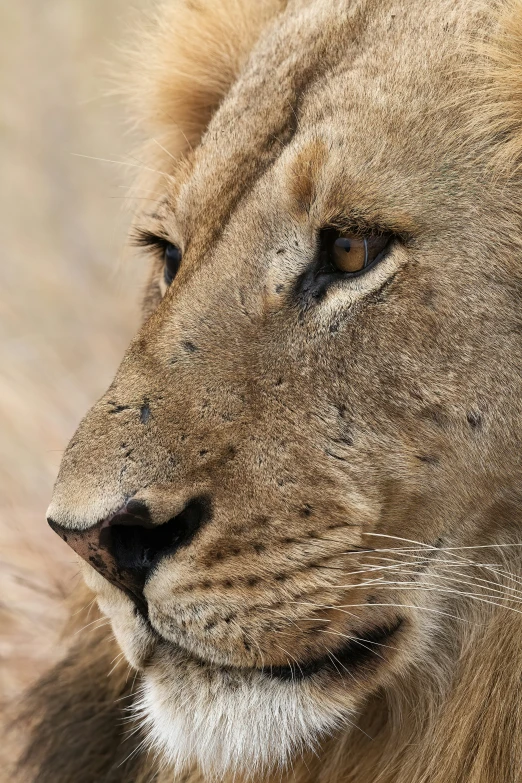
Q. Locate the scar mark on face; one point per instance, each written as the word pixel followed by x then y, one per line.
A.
pixel 145 412
pixel 337 525
pixel 345 440
pixel 189 346
pixel 118 408
pixel 474 419
pixel 428 459
pixel 335 456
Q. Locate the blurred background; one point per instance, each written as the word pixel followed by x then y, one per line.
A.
pixel 69 292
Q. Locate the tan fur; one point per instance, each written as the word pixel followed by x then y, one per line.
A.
pixel 190 52
pixel 358 451
pixel 498 76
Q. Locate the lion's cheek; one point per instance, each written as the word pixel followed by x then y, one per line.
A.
pixel 130 629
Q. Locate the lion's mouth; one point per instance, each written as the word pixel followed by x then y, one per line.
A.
pixel 357 654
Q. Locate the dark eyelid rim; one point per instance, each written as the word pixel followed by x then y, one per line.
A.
pixel 147 239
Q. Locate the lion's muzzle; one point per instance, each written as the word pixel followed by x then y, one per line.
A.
pixel 126 545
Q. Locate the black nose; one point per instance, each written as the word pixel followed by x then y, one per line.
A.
pixel 127 545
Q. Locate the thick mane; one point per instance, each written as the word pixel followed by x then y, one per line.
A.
pixel 184 60
pixel 77 715
pixel 498 79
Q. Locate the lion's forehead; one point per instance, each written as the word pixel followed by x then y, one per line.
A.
pixel 365 76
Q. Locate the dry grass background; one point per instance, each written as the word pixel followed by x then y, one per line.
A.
pixel 68 300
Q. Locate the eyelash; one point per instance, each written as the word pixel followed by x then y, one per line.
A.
pixel 151 242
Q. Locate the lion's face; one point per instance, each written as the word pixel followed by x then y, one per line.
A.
pixel 276 432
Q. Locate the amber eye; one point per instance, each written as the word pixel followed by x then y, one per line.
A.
pixel 172 262
pixel 353 254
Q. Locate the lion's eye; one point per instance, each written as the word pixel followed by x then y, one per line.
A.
pixel 352 254
pixel 172 262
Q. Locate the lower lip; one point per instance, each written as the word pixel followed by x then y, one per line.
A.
pixel 356 654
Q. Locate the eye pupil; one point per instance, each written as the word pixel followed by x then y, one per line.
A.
pixel 349 254
pixel 172 262
pixel 344 243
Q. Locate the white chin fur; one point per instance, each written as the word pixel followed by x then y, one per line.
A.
pixel 228 722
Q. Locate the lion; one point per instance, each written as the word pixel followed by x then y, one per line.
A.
pixel 298 503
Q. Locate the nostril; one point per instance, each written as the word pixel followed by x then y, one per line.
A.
pixel 125 546
pixel 136 544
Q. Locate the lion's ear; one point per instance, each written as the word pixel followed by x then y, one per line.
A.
pixel 186 60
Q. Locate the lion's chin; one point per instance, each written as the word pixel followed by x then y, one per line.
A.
pixel 249 721
pixel 228 722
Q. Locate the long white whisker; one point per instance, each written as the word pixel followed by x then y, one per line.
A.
pixel 344 607
pixel 397 565
pixel 436 588
pixel 166 150
pixel 428 547
pixel 120 163
pixel 487 584
pixel 101 620
pixel 358 639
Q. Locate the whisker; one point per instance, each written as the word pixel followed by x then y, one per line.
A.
pixel 294 659
pixel 116 663
pixel 400 564
pixel 344 607
pixel 166 150
pixel 102 620
pixel 86 608
pixel 473 581
pixel 180 129
pixel 462 560
pixel 120 163
pixel 358 639
pixel 442 549
pixel 435 588
pixel 333 659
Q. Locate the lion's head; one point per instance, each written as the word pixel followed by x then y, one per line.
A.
pixel 321 413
